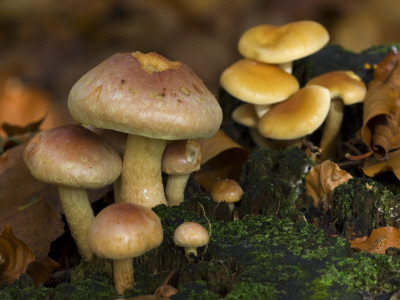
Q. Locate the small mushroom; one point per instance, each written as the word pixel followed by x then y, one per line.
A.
pixel 190 236
pixel 74 159
pixel 120 232
pixel 227 190
pixel 346 88
pixel 282 44
pixel 258 83
pixel 180 159
pixel 299 115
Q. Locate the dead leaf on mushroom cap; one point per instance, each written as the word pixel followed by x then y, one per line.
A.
pixel 379 240
pixel 15 256
pixel 322 179
pixel 221 157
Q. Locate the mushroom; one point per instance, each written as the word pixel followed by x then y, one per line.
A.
pixel 346 88
pixel 283 44
pixel 74 159
pixel 180 159
pixel 227 190
pixel 190 236
pixel 258 83
pixel 153 100
pixel 299 115
pixel 120 232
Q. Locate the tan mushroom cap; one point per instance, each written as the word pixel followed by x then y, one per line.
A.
pixel 284 43
pixel 343 84
pixel 124 230
pixel 181 157
pixel 72 156
pixel 191 235
pixel 148 95
pixel 245 115
pixel 258 83
pixel 301 114
pixel 226 190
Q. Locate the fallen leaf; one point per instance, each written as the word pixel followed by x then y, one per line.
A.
pixel 381 118
pixel 15 256
pixel 222 158
pixel 379 240
pixel 322 179
pixel 374 167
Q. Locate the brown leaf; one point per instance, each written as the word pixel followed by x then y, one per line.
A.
pixel 382 107
pixel 221 158
pixel 35 223
pixel 374 167
pixel 42 271
pixel 15 256
pixel 380 239
pixel 322 180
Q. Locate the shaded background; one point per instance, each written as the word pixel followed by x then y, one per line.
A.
pixel 51 43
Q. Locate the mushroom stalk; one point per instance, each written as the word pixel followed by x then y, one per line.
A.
pixel 190 250
pixel 79 215
pixel 123 275
pixel 141 171
pixel 175 188
pixel 331 128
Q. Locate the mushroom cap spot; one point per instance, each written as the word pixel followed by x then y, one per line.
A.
pixel 191 234
pixel 342 84
pixel 124 230
pixel 72 156
pixel 299 115
pixel 258 83
pixel 145 94
pixel 284 43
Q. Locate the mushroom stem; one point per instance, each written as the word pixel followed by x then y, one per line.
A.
pixel 190 250
pixel 123 275
pixel 117 190
pixel 331 128
pixel 175 188
pixel 79 215
pixel 141 171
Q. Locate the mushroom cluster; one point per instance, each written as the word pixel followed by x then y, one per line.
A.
pixel 275 107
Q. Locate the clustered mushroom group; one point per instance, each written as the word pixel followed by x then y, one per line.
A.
pixel 139 114
pixel 276 109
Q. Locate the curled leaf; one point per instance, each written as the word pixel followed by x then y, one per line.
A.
pixel 381 118
pixel 15 256
pixel 221 158
pixel 322 180
pixel 379 240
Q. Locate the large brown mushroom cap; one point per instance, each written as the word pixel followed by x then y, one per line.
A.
pixel 72 156
pixel 148 95
pixel 281 44
pixel 124 230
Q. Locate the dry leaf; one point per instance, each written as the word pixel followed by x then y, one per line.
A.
pixel 322 180
pixel 15 256
pixel 380 239
pixel 221 158
pixel 380 130
pixel 373 166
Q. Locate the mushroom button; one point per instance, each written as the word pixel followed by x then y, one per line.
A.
pixel 190 236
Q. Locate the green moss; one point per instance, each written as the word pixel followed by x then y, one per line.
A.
pixel 253 291
pixel 195 290
pixel 364 204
